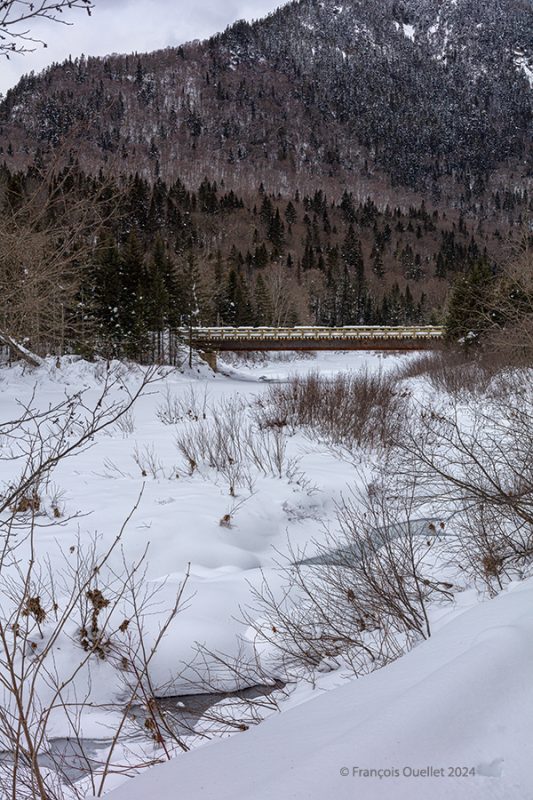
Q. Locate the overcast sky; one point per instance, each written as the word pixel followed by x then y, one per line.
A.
pixel 122 26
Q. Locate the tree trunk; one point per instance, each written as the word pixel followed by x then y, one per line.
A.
pixel 19 351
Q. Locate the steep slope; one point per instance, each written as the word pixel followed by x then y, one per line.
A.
pixel 419 94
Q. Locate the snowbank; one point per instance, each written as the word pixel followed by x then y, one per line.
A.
pixel 460 702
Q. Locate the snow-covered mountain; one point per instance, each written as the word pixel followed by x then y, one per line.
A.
pixel 423 94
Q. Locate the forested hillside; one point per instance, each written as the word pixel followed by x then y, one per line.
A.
pixel 115 260
pixel 334 163
pixel 381 98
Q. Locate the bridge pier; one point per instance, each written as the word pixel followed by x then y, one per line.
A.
pixel 210 358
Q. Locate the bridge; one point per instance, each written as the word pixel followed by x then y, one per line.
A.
pixel 211 341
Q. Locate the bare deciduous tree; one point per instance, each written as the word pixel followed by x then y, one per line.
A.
pixel 18 16
pixel 512 305
pixel 47 239
pixel 95 607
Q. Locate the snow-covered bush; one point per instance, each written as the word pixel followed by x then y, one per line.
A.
pixel 126 423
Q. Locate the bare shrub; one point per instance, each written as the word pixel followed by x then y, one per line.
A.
pixel 475 463
pixel 90 607
pixel 217 442
pixel 28 503
pixel 149 463
pixel 176 408
pixel 455 371
pixel 506 314
pixel 226 439
pixel 219 712
pixel 492 545
pixel 360 409
pixel 126 423
pixel 36 441
pixel 362 598
pixel 100 615
pixel 457 484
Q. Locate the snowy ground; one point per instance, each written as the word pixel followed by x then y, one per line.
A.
pixel 460 700
pixel 450 720
pixel 179 514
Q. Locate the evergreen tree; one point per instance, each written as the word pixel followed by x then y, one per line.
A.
pixel 260 257
pixel 263 303
pixel 470 308
pixel 352 255
pixel 266 212
pixel 290 214
pixel 346 305
pixel 158 298
pixel 440 271
pixel 395 307
pixel 104 292
pixel 409 307
pixel 132 308
pixel 276 233
pixel 191 292
pixel 236 307
pixel 218 289
pixel 347 207
pixel 377 263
